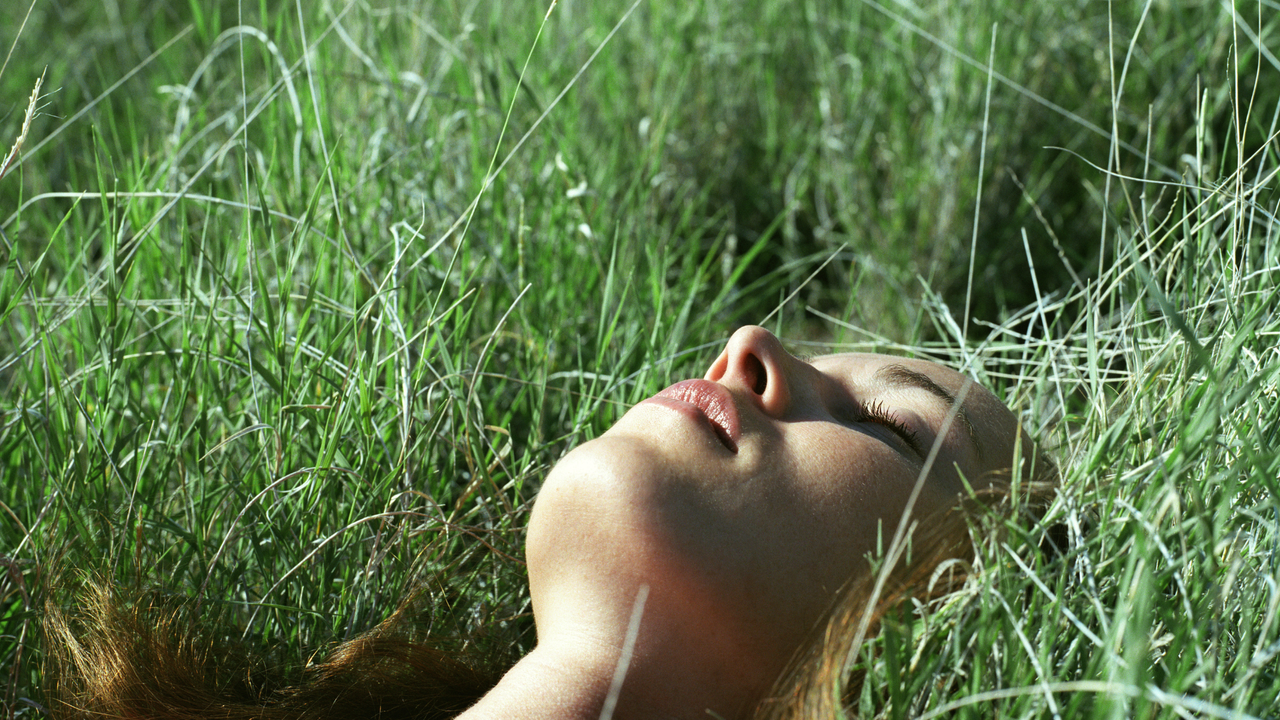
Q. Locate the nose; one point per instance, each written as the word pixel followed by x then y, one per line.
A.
pixel 754 361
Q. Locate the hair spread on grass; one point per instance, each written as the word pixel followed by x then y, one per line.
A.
pixel 147 659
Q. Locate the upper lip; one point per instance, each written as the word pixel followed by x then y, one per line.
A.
pixel 715 402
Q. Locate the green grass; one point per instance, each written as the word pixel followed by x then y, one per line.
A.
pixel 269 338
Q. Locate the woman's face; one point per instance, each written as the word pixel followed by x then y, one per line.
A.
pixel 749 497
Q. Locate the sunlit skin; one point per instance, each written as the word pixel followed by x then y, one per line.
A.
pixel 743 505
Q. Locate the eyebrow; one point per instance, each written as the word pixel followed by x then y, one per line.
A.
pixel 901 377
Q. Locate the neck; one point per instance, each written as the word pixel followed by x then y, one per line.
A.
pixel 574 681
pixel 551 683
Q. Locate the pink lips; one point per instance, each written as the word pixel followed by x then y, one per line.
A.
pixel 711 401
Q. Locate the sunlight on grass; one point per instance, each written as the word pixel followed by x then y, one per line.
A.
pixel 297 307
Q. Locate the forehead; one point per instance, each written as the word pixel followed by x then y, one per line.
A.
pixel 993 424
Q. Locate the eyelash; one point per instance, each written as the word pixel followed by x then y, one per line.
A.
pixel 875 412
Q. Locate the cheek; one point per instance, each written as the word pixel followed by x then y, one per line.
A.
pixel 852 471
pixel 854 488
pixel 618 511
pixel 585 522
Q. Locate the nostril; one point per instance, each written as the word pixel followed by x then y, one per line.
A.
pixel 756 375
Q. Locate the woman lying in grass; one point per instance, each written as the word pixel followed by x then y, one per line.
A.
pixel 707 556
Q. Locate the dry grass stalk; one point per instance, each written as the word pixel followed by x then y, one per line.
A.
pixel 26 127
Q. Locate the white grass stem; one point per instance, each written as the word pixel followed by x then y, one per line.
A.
pixel 898 544
pixel 982 166
pixel 628 651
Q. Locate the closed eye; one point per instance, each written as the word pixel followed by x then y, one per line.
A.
pixel 875 412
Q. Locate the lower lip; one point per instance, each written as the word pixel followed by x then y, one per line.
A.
pixel 725 426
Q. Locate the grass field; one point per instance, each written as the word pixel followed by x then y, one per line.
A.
pixel 298 302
